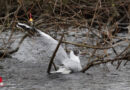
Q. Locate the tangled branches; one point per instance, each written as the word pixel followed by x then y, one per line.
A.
pixel 104 19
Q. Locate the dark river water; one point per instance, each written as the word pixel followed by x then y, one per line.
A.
pixel 26 70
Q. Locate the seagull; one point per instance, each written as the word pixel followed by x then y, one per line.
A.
pixel 69 63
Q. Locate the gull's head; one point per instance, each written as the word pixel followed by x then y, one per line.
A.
pixel 73 57
pixel 76 66
pixel 73 63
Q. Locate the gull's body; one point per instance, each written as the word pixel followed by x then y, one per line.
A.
pixel 70 63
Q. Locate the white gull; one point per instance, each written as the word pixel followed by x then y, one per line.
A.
pixel 70 63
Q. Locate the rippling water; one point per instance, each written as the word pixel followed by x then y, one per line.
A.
pixel 20 73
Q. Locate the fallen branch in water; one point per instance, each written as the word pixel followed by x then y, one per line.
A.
pixel 97 62
pixel 54 54
pixel 92 46
pixel 7 53
pixel 120 57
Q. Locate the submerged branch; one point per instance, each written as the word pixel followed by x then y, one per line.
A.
pixel 54 54
pixel 97 62
pixel 7 53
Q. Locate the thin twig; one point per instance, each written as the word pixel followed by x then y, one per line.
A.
pixel 6 53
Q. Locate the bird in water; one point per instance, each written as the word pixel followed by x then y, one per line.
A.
pixel 69 63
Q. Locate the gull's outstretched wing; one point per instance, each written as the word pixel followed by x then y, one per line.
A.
pixel 47 44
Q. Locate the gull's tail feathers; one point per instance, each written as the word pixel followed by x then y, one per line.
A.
pixel 62 70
